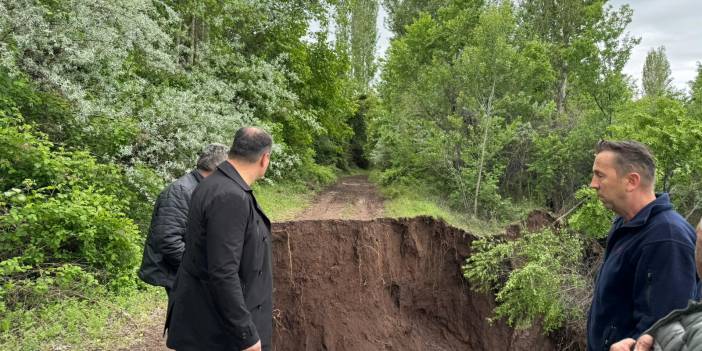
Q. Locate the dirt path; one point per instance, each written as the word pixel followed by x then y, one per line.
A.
pixel 352 197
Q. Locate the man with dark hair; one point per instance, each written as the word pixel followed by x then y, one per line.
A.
pixel 223 296
pixel 649 263
pixel 164 245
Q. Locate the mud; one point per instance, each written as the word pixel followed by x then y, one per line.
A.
pixel 384 284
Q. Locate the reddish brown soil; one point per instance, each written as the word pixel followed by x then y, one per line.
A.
pixel 382 285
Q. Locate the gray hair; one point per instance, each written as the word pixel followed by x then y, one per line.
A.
pixel 211 156
pixel 250 143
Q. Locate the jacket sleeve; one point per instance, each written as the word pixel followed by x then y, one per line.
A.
pixel 170 223
pixel 665 280
pixel 227 220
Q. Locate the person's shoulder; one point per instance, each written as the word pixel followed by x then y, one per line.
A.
pixel 218 185
pixel 670 226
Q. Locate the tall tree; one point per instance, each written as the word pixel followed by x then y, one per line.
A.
pixel 656 73
pixel 357 33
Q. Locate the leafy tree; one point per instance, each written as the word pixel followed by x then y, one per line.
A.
pixel 694 106
pixel 656 73
pixel 580 33
pixel 357 34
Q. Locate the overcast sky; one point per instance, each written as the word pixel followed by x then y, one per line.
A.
pixel 675 24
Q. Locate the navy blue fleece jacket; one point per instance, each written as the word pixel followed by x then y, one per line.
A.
pixel 648 271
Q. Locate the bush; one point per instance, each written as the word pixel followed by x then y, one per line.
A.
pixel 536 277
pixel 323 175
pixel 81 226
pixel 63 221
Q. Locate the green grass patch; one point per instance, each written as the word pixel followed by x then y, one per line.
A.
pixel 283 201
pixel 412 204
pixel 104 322
pixel 416 200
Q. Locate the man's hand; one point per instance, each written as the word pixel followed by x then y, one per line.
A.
pixel 256 347
pixel 624 345
pixel 645 343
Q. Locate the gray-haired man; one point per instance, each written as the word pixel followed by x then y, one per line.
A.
pixel 165 244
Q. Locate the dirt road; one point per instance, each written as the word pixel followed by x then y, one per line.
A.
pixel 352 197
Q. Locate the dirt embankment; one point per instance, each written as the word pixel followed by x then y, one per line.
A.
pixel 382 285
pixel 344 282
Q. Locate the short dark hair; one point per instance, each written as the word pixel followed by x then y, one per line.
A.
pixel 632 156
pixel 250 143
pixel 211 156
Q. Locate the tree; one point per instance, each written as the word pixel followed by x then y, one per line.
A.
pixel 357 34
pixel 662 123
pixel 694 106
pixel 655 77
pixel 580 32
pixel 402 13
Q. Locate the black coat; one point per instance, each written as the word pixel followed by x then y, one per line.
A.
pixel 223 295
pixel 165 243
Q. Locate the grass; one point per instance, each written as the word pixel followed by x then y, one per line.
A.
pixel 283 201
pixel 410 204
pixel 105 322
pixel 413 201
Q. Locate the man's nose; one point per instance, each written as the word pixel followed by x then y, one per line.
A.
pixel 594 184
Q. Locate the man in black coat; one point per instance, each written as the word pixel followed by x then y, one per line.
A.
pixel 165 244
pixel 223 295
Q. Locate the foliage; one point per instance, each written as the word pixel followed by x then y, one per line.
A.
pixel 672 135
pixel 180 78
pixel 591 218
pixel 656 73
pixel 541 284
pixel 64 227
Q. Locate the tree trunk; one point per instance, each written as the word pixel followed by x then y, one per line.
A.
pixel 561 89
pixel 488 114
pixel 193 41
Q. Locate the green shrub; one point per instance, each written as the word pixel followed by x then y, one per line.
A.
pixel 536 277
pixel 591 218
pixel 323 175
pixel 80 226
pixel 63 219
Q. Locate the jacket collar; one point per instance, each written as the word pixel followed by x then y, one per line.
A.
pixel 660 204
pixel 197 175
pixel 231 172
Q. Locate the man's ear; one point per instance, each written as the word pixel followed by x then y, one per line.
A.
pixel 633 181
pixel 264 158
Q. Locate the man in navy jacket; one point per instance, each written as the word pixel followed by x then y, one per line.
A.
pixel 649 263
